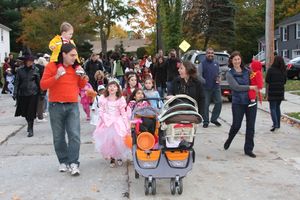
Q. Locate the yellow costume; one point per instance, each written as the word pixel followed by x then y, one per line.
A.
pixel 57 42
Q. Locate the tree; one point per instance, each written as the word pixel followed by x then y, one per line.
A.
pixel 10 16
pixel 286 8
pixel 145 22
pixel 171 11
pixel 249 31
pixel 117 32
pixel 140 52
pixel 41 24
pixel 105 15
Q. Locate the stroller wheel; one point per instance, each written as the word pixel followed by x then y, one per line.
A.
pixel 146 186
pixel 153 185
pixel 172 186
pixel 136 175
pixel 180 186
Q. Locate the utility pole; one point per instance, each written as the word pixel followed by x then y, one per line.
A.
pixel 158 28
pixel 269 35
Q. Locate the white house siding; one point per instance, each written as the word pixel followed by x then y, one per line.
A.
pixel 4 42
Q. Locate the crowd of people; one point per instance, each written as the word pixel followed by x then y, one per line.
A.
pixel 110 87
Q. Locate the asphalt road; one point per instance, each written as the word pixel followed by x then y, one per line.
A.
pixel 28 166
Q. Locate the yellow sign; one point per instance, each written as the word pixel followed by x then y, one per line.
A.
pixel 184 46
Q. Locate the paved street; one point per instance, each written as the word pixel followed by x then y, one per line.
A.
pixel 28 166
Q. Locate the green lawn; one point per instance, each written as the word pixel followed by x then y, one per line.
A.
pixel 294 115
pixel 292 85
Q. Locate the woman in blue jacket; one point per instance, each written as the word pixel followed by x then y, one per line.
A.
pixel 238 79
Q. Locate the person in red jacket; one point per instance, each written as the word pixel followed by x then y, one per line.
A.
pixel 256 79
pixel 63 85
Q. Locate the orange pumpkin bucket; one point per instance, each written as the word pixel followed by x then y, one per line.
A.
pixel 128 141
pixel 145 141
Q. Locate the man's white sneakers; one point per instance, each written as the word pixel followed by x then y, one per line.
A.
pixel 74 169
pixel 63 167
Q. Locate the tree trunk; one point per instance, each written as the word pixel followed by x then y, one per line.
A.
pixel 103 42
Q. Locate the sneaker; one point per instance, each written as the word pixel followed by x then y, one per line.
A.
pixel 252 104
pixel 120 162
pixel 74 169
pixel 41 120
pixel 63 167
pixel 45 114
pixel 217 123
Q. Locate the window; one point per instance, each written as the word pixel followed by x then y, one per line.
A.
pixel 284 33
pixel 284 53
pixel 298 31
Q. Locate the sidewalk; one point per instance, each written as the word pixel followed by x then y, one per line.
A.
pixel 289 105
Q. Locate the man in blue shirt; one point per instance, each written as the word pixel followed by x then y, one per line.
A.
pixel 208 71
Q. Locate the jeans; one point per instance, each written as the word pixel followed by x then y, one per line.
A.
pixel 65 118
pixel 238 112
pixel 215 96
pixel 275 113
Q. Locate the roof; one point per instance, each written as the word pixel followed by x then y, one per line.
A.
pixel 276 36
pixel 5 27
pixel 290 20
pixel 128 44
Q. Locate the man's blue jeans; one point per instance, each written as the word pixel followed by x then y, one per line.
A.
pixel 215 96
pixel 238 112
pixel 65 118
pixel 275 113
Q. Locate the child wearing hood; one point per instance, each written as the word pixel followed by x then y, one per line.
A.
pixel 256 78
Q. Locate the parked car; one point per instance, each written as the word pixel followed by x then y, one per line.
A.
pixel 222 58
pixel 293 68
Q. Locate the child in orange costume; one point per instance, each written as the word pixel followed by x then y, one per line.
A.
pixel 256 78
pixel 66 30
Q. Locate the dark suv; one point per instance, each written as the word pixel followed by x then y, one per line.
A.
pixel 222 58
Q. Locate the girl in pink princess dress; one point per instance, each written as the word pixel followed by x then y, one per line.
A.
pixel 113 125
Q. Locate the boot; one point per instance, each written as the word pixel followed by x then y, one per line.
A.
pixel 30 128
pixel 228 142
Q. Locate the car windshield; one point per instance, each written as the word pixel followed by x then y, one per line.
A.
pixel 222 59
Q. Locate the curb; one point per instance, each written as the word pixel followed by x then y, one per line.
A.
pixel 294 120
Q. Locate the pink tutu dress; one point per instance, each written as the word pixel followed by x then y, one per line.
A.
pixel 112 128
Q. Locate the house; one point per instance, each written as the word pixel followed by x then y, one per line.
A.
pixel 286 38
pixel 4 42
pixel 130 45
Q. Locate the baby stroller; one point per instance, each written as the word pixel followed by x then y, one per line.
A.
pixel 169 153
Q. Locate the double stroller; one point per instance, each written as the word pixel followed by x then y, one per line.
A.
pixel 162 143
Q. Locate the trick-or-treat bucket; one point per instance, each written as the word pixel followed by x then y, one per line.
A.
pixel 128 141
pixel 145 141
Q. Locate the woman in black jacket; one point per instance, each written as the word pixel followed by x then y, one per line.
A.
pixel 26 92
pixel 276 79
pixel 188 83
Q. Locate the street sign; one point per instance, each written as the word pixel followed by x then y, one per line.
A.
pixel 184 46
